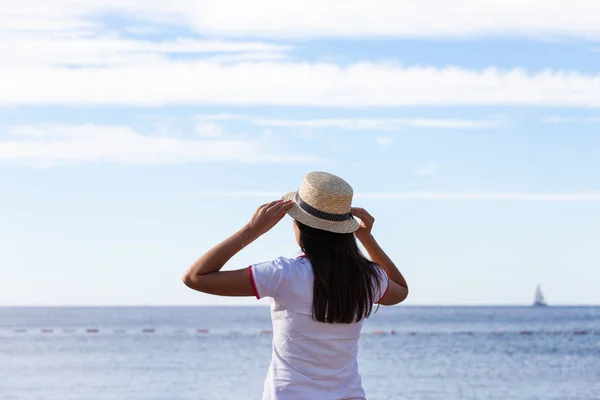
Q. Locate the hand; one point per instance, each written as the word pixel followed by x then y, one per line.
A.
pixel 267 216
pixel 366 223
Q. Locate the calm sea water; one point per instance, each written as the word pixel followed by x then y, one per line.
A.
pixel 406 353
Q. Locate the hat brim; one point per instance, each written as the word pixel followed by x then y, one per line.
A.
pixel 348 226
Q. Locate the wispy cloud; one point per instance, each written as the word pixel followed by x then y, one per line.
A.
pixel 383 124
pixel 380 124
pixel 558 119
pixel 49 145
pixel 430 168
pixel 249 56
pixel 222 117
pixel 209 130
pixel 532 197
pixel 36 52
pixel 353 124
pixel 385 141
pixel 289 84
pixel 552 197
pixel 354 18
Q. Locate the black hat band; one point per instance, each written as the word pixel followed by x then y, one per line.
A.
pixel 321 214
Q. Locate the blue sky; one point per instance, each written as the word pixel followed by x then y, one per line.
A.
pixel 135 135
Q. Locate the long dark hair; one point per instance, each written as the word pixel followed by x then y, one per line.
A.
pixel 346 282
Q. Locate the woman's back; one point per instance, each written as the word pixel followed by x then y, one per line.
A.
pixel 311 359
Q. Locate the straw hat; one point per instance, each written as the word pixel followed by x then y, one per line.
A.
pixel 323 202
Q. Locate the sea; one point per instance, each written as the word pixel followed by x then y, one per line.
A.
pixel 222 353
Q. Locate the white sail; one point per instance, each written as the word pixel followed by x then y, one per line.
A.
pixel 539 297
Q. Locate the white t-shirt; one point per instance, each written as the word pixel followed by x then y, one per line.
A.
pixel 311 360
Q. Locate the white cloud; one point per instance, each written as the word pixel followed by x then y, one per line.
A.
pixel 385 141
pixel 209 130
pixel 221 117
pixel 533 197
pixel 558 197
pixel 40 39
pixel 383 124
pixel 48 145
pixel 333 18
pixel 557 119
pixel 36 52
pixel 378 124
pixel 430 168
pixel 241 194
pixel 294 84
pixel 249 56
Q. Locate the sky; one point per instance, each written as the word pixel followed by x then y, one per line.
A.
pixel 135 135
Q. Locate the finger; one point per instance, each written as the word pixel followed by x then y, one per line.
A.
pixel 275 205
pixel 272 204
pixel 283 206
pixel 364 214
pixel 358 212
pixel 365 219
pixel 279 213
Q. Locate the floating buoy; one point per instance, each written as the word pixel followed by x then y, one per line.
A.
pixel 202 330
pixel 148 330
pixel 266 332
pixel 47 330
pixel 92 330
pixel 379 332
pixel 392 332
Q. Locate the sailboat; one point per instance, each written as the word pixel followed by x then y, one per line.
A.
pixel 539 298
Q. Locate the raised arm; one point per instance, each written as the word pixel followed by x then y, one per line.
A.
pixel 398 288
pixel 205 274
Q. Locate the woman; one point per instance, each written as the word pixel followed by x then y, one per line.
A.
pixel 320 298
